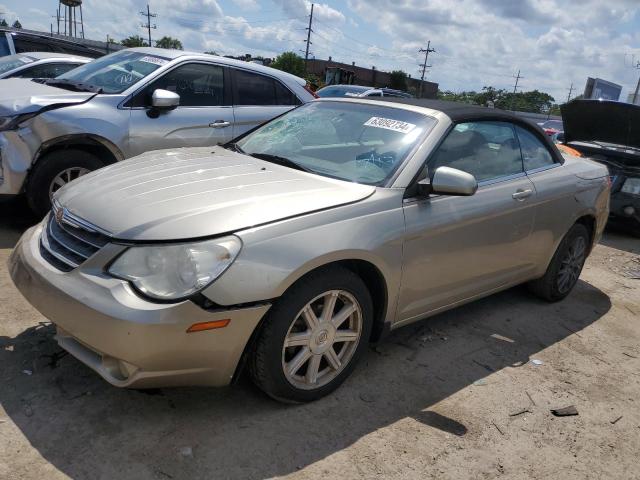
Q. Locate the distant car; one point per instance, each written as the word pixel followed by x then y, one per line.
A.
pixel 14 41
pixel 299 243
pixel 39 64
pixel 552 127
pixel 609 132
pixel 360 91
pixel 127 103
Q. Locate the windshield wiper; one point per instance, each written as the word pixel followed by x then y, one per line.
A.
pixel 72 85
pixel 233 146
pixel 285 162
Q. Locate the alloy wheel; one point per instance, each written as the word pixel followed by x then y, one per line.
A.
pixel 571 265
pixel 322 339
pixel 65 177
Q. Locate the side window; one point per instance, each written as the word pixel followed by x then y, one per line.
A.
pixel 24 45
pixel 48 70
pixel 487 150
pixel 254 89
pixel 534 153
pixel 198 84
pixel 284 96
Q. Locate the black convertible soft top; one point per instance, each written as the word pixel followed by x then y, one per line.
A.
pixel 464 112
pixel 458 111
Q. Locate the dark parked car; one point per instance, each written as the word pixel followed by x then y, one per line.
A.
pixel 609 132
pixel 13 41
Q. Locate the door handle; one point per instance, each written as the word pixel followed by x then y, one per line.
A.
pixel 219 124
pixel 522 194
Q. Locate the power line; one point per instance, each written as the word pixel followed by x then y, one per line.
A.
pixel 308 41
pixel 148 25
pixel 424 66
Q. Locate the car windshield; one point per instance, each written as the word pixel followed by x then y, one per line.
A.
pixel 356 142
pixel 14 61
pixel 341 91
pixel 116 72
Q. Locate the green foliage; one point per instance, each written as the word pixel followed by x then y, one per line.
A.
pixel 3 23
pixel 315 81
pixel 398 80
pixel 17 24
pixel 134 41
pixel 289 62
pixel 211 52
pixel 533 101
pixel 169 42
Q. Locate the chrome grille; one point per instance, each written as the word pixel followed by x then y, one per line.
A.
pixel 67 241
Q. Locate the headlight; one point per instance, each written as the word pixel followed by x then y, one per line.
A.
pixel 174 272
pixel 631 185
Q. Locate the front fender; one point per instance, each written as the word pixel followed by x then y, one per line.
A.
pixel 275 256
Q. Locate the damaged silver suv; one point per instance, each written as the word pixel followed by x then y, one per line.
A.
pixel 124 104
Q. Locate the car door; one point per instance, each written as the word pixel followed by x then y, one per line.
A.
pixel 204 116
pixel 258 98
pixel 555 193
pixel 457 248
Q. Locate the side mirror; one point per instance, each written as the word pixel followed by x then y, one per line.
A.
pixel 448 181
pixel 164 99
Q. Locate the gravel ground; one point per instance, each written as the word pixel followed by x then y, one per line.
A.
pixel 453 397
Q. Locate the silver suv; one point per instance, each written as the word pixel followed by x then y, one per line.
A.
pixel 124 104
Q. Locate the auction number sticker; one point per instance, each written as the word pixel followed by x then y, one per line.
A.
pixel 154 60
pixel 390 124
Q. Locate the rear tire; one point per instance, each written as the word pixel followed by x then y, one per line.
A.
pixel 54 170
pixel 565 267
pixel 322 347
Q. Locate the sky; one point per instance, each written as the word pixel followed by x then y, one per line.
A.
pixel 477 43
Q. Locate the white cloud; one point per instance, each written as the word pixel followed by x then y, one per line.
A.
pixel 249 5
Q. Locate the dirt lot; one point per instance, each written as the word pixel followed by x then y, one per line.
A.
pixel 439 399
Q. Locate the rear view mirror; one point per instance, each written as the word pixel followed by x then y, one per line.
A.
pixel 449 181
pixel 164 99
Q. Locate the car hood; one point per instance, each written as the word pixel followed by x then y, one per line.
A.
pixel 19 95
pixel 190 193
pixel 601 121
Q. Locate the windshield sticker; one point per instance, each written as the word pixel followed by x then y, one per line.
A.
pixel 389 124
pixel 25 59
pixel 154 60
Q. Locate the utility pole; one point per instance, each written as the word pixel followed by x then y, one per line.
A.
pixel 308 41
pixel 635 94
pixel 148 25
pixel 424 65
pixel 515 89
pixel 570 92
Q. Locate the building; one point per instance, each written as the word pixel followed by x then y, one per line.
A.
pixel 352 74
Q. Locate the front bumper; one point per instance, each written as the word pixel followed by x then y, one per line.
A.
pixel 129 341
pixel 15 161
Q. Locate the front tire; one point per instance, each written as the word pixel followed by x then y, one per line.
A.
pixel 313 336
pixel 53 171
pixel 565 267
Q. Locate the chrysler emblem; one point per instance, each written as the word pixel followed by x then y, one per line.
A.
pixel 60 215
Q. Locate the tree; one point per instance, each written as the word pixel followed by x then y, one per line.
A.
pixel 17 24
pixel 289 62
pixel 3 23
pixel 134 41
pixel 398 80
pixel 211 52
pixel 169 42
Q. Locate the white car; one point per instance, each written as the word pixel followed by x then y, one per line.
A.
pixel 39 64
